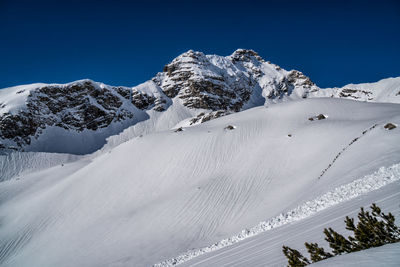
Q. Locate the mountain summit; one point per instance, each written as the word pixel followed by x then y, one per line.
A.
pixel 216 161
pixel 199 87
pixel 234 82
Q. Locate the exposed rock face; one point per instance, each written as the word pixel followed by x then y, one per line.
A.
pixel 203 117
pixel 318 117
pixel 219 85
pixel 229 127
pixel 296 79
pixel 19 127
pixel 215 85
pixel 202 85
pixel 227 83
pixel 142 100
pixel 390 126
pixel 245 55
pixel 354 94
pixel 75 106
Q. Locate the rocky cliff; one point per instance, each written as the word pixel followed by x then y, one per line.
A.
pixel 210 86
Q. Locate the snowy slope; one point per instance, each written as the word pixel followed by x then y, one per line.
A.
pixel 266 249
pixel 16 163
pixel 161 194
pixel 14 98
pixel 385 256
pixel 329 199
pixel 386 90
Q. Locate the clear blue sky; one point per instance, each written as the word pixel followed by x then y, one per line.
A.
pixel 128 42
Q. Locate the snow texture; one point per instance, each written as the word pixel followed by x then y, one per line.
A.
pixel 384 256
pixel 17 163
pixel 343 193
pixel 158 195
pixel 265 249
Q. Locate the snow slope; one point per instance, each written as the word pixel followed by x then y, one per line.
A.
pixel 388 255
pixel 341 194
pixel 17 163
pixel 14 98
pixel 265 249
pixel 385 90
pixel 158 195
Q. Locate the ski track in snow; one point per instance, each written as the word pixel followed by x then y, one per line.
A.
pixel 382 177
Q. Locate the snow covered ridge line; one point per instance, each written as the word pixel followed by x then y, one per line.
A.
pixel 382 177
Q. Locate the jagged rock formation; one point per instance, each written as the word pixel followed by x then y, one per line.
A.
pixel 149 96
pixel 213 85
pixel 227 83
pixel 78 106
pixel 202 85
pixel 203 117
pixel 74 106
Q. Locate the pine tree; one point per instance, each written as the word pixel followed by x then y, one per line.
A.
pixel 317 253
pixel 295 259
pixel 338 243
pixel 372 230
pixel 392 231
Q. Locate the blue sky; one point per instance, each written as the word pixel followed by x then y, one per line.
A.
pixel 128 42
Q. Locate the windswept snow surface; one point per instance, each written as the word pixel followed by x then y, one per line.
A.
pixel 343 193
pixel 152 121
pixel 17 163
pixel 265 249
pixel 384 256
pixel 156 196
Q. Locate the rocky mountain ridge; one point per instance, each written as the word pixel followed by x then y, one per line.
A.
pixel 213 85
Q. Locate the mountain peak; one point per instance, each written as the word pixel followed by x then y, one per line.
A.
pixel 191 53
pixel 189 56
pixel 245 55
pixel 201 86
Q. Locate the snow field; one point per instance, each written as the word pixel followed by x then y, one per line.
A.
pixel 17 163
pixel 156 196
pixel 265 249
pixel 343 193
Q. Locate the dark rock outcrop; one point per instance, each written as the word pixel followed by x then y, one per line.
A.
pixel 390 126
pixel 214 84
pixel 76 106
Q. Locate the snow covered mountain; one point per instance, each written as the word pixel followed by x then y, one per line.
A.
pixel 386 90
pixel 215 161
pixel 43 117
